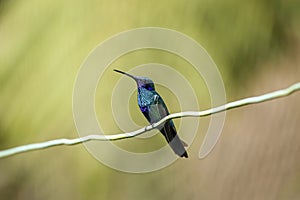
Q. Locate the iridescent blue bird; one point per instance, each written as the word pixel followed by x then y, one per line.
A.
pixel 154 109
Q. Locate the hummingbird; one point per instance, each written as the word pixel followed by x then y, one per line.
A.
pixel 154 109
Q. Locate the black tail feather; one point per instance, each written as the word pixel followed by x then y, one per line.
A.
pixel 169 131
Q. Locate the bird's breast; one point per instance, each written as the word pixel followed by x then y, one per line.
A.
pixel 145 97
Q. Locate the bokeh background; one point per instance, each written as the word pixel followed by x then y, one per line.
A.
pixel 255 45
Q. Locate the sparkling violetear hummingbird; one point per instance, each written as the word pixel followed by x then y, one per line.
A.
pixel 154 109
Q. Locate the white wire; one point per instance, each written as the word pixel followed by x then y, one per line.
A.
pixel 251 100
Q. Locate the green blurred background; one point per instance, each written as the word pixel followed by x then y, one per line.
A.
pixel 255 45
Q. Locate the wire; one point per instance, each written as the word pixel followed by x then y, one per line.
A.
pixel 235 104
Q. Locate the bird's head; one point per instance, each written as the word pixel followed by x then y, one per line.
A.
pixel 142 82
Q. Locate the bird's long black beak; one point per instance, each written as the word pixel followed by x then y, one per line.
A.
pixel 125 74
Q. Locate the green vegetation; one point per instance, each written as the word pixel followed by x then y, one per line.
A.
pixel 43 44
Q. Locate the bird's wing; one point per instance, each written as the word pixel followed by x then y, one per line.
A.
pixel 169 130
pixel 156 112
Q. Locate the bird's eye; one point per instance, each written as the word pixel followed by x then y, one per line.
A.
pixel 148 87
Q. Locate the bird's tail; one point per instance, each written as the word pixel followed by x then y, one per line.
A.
pixel 170 133
pixel 178 147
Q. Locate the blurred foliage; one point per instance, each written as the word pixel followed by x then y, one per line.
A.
pixel 43 44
